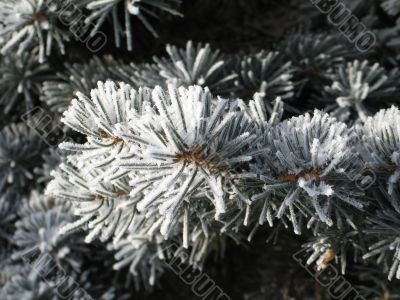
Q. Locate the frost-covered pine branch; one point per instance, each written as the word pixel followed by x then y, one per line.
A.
pixel 8 216
pixel 197 142
pixel 20 151
pixel 37 235
pixel 194 65
pixel 101 10
pixel 51 161
pixel 21 78
pixel 58 92
pixel 267 73
pixel 31 23
pixel 27 285
pixel 197 153
pixel 334 246
pixel 314 57
pixel 384 227
pixel 357 87
pixel 381 140
pixel 392 7
pixel 303 175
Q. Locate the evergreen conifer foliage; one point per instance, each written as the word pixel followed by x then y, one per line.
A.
pixel 142 9
pixel 381 136
pixel 268 73
pixel 359 83
pixel 302 156
pixel 19 155
pixel 29 24
pixel 197 141
pixel 58 91
pixel 157 166
pixel 196 64
pixel 21 80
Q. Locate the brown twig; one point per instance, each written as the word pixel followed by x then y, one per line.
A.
pixel 195 156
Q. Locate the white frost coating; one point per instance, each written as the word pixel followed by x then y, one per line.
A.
pixel 307 162
pixel 154 153
pixel 314 190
